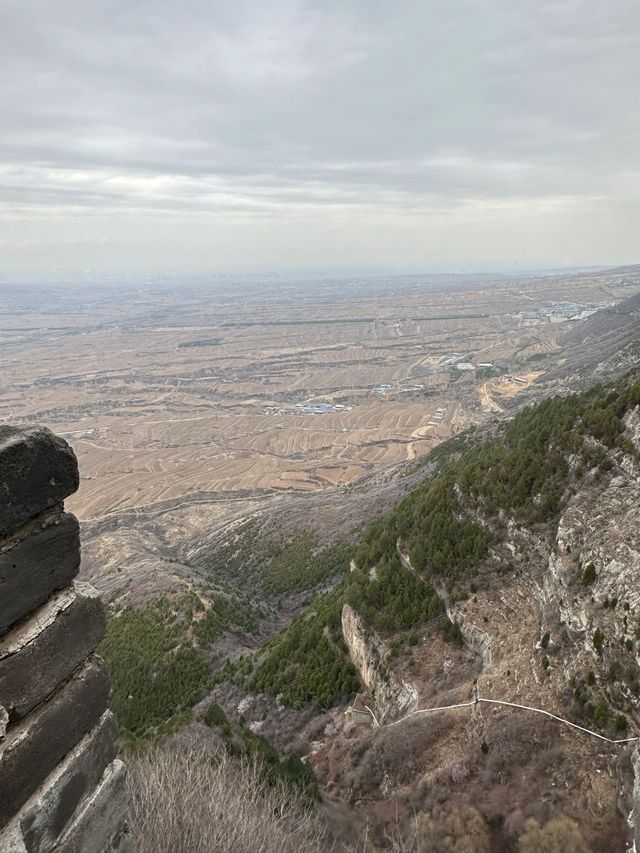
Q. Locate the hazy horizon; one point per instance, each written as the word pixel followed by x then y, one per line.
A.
pixel 290 137
pixel 301 278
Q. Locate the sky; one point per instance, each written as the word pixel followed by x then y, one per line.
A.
pixel 209 136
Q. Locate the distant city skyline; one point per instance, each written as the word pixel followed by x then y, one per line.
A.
pixel 248 137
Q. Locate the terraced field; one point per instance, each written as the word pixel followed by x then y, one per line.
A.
pixel 195 404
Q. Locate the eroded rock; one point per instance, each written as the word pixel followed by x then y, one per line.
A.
pixel 33 748
pixel 394 698
pixel 99 826
pixel 52 809
pixel 35 567
pixel 45 649
pixel 37 470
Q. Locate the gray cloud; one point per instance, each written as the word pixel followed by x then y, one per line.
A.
pixel 424 122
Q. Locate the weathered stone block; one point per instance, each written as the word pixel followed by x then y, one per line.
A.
pixel 49 812
pixel 33 568
pixel 39 824
pixel 99 826
pixel 44 650
pixel 34 747
pixel 11 840
pixel 37 470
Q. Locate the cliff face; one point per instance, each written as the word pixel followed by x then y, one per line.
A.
pixel 582 581
pixel 393 697
pixel 62 787
pixel 551 623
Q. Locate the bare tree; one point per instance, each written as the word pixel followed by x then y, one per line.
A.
pixel 188 798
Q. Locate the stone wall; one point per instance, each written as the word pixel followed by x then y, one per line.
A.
pixel 62 787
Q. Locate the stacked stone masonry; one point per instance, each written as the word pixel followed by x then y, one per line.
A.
pixel 62 786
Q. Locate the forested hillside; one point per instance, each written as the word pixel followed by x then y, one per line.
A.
pixel 447 526
pixel 533 464
pixel 478 534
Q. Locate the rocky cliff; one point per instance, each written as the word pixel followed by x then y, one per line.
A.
pixel 393 697
pixel 62 787
pixel 531 545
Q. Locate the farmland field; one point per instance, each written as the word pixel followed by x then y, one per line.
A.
pixel 190 407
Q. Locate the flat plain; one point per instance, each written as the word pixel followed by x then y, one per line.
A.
pixel 193 406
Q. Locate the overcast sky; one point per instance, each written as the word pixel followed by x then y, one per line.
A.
pixel 212 136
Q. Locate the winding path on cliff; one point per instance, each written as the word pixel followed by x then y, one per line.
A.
pixel 406 562
pixel 479 699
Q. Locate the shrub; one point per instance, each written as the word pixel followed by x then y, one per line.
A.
pixel 447 526
pixel 215 716
pixel 186 797
pixel 601 713
pixel 559 835
pixel 598 640
pixel 615 671
pixel 459 772
pixel 622 723
pixel 461 831
pixel 589 574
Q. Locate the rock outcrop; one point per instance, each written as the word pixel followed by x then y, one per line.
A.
pixel 393 698
pixel 62 787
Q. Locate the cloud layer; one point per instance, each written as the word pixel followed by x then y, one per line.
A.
pixel 245 134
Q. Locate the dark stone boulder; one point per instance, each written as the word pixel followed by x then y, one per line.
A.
pixel 44 650
pixel 33 568
pixel 34 747
pixel 37 471
pixel 49 814
pixel 100 825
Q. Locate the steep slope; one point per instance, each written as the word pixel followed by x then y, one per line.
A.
pixel 529 542
pixel 509 574
pixel 602 346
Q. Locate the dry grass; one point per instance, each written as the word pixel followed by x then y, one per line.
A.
pixel 188 799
